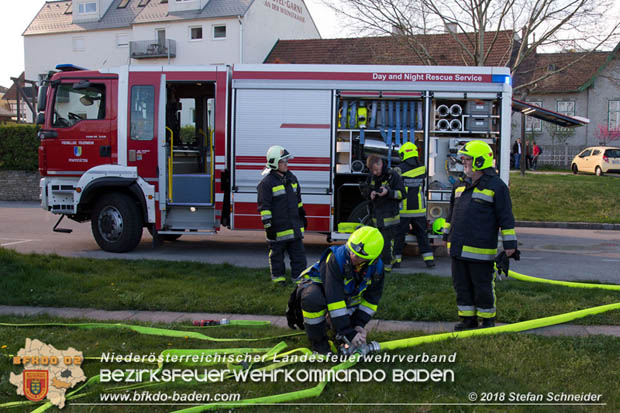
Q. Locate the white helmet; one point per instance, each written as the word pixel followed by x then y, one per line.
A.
pixel 275 154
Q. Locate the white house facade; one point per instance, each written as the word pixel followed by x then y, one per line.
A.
pixel 103 33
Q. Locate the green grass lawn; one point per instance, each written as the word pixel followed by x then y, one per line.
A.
pixel 569 198
pixel 508 363
pixel 50 280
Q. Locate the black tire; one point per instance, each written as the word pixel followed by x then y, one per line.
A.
pixel 116 222
pixel 165 237
pixel 598 171
pixel 360 213
pixel 574 169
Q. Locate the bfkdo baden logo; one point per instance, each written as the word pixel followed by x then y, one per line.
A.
pixel 48 372
pixel 36 384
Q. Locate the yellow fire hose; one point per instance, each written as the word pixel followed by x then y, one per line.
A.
pixel 353 360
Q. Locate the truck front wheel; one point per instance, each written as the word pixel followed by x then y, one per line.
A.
pixel 116 222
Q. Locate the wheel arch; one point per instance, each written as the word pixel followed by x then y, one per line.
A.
pixel 98 187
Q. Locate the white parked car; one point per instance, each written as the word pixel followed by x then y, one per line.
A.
pixel 597 159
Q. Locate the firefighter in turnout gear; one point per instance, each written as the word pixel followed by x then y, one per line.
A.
pixel 282 214
pixel 384 188
pixel 480 205
pixel 413 206
pixel 340 291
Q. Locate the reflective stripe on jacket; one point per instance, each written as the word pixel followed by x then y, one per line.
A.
pixel 279 200
pixel 352 296
pixel 477 212
pixel 385 209
pixel 414 204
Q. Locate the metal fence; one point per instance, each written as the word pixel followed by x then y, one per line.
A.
pixel 559 155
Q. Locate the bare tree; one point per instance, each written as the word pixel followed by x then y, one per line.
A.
pixel 476 26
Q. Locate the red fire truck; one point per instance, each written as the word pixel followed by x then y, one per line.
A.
pixel 111 150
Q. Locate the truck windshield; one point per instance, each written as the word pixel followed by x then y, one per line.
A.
pixel 74 105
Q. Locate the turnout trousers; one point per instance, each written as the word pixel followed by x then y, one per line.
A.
pixel 296 254
pixel 314 308
pixel 418 226
pixel 474 283
pixel 387 255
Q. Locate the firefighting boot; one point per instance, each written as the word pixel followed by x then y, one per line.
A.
pixel 467 323
pixel 488 322
pixel 429 263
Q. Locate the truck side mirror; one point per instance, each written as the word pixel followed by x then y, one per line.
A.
pixel 42 98
pixel 40 118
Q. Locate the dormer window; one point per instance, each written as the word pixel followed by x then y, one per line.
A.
pixel 87 8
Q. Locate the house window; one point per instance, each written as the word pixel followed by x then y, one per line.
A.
pixel 85 8
pixel 533 124
pixel 122 40
pixel 78 44
pixel 614 115
pixel 195 33
pixel 566 107
pixel 219 32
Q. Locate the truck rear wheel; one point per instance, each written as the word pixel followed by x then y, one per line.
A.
pixel 360 213
pixel 116 222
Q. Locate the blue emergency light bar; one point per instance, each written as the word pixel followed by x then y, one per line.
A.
pixel 67 67
pixel 502 79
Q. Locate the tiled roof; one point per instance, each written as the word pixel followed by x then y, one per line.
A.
pixel 391 50
pixel 571 79
pixel 53 19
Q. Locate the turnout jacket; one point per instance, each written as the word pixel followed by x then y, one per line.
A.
pixel 413 204
pixel 384 209
pixel 477 212
pixel 280 206
pixel 352 295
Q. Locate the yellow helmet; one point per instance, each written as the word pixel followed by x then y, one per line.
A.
pixel 408 150
pixel 366 242
pixel 481 153
pixel 438 226
pixel 275 154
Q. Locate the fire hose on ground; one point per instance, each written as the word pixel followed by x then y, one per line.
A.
pixel 356 354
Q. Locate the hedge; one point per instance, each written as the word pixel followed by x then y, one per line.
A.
pixel 19 146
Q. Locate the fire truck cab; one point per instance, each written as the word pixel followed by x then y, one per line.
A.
pixel 113 150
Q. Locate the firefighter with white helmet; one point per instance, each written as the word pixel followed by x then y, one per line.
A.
pixel 283 215
pixel 480 205
pixel 344 286
pixel 413 205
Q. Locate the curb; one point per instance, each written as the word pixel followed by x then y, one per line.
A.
pixel 428 327
pixel 569 225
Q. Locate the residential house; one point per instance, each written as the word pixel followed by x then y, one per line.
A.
pixel 9 102
pixel 104 33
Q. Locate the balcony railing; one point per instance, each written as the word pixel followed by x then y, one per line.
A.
pixel 149 49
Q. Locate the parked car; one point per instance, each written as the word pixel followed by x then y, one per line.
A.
pixel 597 159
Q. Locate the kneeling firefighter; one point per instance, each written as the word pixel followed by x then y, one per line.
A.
pixel 343 289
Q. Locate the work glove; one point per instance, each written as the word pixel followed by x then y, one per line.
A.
pixel 360 338
pixel 302 215
pixel 294 316
pixel 271 233
pixel 502 263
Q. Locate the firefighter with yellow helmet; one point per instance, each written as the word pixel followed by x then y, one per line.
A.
pixel 479 207
pixel 344 286
pixel 413 205
pixel 283 215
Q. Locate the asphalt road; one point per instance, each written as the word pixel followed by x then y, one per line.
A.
pixel 559 254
